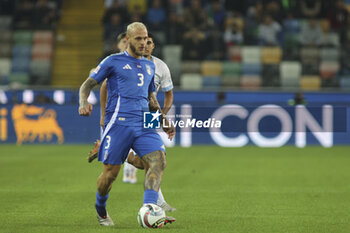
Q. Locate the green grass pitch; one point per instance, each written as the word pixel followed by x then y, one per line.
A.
pixel 51 188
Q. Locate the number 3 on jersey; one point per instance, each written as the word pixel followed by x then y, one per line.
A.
pixel 141 79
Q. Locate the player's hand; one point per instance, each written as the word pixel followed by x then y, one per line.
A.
pixel 170 131
pixel 85 109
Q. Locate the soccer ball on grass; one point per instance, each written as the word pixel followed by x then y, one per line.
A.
pixel 151 216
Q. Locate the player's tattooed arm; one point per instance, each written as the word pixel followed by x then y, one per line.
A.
pixel 153 103
pixel 85 107
pixel 156 164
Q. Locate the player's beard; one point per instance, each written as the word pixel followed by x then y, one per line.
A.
pixel 133 49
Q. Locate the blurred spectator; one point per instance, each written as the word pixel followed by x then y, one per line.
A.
pixel 194 45
pixel 290 24
pixel 216 13
pixel 115 8
pixel 329 38
pixel 44 16
pixel 256 12
pixel 338 17
pixel 268 31
pixel 273 8
pixel 112 30
pixel 216 49
pixel 311 8
pixel 195 16
pixel 175 29
pixel 24 15
pixel 137 5
pixel 156 16
pixel 176 6
pixel 311 33
pixel 233 31
pixel 136 16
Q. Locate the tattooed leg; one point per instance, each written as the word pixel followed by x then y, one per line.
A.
pixel 155 165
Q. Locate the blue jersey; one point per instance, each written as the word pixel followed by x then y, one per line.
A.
pixel 129 82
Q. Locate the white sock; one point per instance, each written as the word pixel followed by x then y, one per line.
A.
pixel 160 200
pixel 128 166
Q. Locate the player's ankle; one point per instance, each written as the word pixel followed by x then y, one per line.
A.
pixel 101 211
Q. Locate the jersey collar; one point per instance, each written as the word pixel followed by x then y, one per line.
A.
pixel 142 57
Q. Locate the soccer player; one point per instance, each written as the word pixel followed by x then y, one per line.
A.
pixel 130 83
pixel 162 80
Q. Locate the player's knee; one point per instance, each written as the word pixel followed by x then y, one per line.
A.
pixel 111 176
pixel 111 172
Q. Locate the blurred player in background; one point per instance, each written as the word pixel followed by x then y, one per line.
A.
pixel 163 81
pixel 131 88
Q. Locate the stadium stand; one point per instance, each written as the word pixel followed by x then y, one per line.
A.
pixel 27 34
pixel 191 81
pixel 80 42
pixel 229 47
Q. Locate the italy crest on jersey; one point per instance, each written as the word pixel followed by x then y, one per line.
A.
pixel 148 68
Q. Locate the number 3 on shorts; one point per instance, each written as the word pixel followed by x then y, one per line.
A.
pixel 108 138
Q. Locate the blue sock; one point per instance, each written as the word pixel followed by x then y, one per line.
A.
pixel 100 204
pixel 150 196
pixel 101 201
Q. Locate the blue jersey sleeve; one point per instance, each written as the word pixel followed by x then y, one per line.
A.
pixel 102 71
pixel 152 87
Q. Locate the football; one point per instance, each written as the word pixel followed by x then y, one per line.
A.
pixel 151 216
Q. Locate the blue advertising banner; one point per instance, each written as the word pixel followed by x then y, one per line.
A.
pixel 228 125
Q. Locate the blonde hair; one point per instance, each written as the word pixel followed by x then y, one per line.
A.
pixel 133 26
